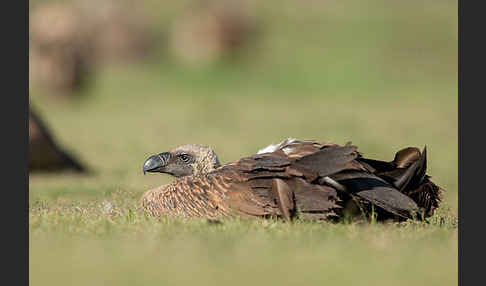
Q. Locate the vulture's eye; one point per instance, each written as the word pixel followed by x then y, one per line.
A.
pixel 184 157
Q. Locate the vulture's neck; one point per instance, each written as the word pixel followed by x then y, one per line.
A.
pixel 206 163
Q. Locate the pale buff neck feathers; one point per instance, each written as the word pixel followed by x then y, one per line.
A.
pixel 206 159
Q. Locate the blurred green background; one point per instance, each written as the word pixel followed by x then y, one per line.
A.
pixel 382 74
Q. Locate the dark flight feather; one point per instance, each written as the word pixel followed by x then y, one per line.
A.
pixel 377 191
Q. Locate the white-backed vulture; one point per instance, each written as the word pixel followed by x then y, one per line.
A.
pixel 304 179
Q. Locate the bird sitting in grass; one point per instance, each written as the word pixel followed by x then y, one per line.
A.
pixel 292 179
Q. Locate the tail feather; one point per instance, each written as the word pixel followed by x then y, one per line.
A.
pixel 428 197
pixel 411 176
pixel 406 157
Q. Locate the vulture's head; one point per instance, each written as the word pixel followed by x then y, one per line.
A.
pixel 183 161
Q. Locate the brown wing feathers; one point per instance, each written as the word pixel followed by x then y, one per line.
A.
pixel 373 189
pixel 292 186
pixel 327 161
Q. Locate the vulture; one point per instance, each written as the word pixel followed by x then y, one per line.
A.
pixel 293 179
pixel 44 152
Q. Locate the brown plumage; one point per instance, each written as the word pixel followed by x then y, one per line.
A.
pixel 44 152
pixel 304 179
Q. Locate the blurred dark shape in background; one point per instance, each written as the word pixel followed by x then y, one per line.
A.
pixel 119 32
pixel 69 42
pixel 44 152
pixel 58 49
pixel 210 31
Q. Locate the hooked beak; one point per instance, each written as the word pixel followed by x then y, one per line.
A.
pixel 156 163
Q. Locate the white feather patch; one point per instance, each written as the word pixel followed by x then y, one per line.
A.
pixel 274 147
pixel 287 150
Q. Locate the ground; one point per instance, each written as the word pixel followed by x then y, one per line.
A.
pixel 383 77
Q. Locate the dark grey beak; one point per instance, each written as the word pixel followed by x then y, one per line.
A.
pixel 156 163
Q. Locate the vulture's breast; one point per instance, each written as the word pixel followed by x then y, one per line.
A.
pixel 193 196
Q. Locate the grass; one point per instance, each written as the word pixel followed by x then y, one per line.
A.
pixel 381 75
pixel 95 249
